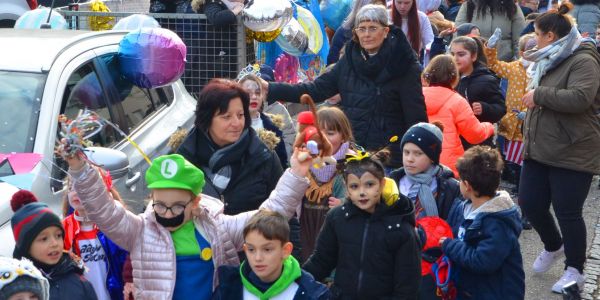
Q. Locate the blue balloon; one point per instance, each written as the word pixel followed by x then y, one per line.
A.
pixel 334 12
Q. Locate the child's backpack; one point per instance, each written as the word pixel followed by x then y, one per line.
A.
pixel 433 261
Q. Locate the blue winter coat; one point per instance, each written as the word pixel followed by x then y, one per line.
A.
pixel 487 263
pixel 116 259
pixel 230 286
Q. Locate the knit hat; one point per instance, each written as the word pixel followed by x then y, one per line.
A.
pixel 21 276
pixel 426 136
pixel 465 29
pixel 174 172
pixel 30 218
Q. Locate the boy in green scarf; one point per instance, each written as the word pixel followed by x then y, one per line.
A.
pixel 269 272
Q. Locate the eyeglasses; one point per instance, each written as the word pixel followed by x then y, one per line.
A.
pixel 176 209
pixel 363 30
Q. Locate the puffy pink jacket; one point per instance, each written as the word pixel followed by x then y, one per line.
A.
pixel 150 244
pixel 453 111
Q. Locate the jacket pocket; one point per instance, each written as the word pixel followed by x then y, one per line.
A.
pixel 574 128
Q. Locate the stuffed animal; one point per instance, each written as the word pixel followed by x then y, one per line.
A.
pixel 311 137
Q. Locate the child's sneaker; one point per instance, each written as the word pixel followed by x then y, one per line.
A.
pixel 570 274
pixel 546 259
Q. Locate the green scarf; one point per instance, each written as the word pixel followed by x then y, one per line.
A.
pixel 291 271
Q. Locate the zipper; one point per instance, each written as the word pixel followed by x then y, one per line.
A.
pixel 362 256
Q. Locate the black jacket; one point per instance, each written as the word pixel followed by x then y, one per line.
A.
pixel 382 95
pixel 254 178
pixel 375 256
pixel 448 190
pixel 231 287
pixel 67 281
pixel 483 86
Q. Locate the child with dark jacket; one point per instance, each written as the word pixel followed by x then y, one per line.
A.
pixel 371 245
pixel 486 252
pixel 269 272
pixel 38 236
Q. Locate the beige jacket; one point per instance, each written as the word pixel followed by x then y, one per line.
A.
pixel 563 130
pixel 150 244
pixel 508 45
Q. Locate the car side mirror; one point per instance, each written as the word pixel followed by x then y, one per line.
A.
pixel 115 161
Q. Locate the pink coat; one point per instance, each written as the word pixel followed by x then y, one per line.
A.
pixel 453 111
pixel 150 244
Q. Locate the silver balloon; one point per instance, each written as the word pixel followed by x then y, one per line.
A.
pixel 293 39
pixel 266 15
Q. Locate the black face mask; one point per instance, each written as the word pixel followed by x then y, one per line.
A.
pixel 170 222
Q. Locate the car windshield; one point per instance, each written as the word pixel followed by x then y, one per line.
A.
pixel 20 99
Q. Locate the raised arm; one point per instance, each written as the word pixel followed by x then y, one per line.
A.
pixel 322 88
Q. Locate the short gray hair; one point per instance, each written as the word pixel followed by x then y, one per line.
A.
pixel 372 13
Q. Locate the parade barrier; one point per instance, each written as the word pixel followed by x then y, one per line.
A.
pixel 212 51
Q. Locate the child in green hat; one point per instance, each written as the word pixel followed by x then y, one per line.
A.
pixel 177 244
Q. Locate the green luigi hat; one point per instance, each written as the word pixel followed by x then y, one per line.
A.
pixel 174 172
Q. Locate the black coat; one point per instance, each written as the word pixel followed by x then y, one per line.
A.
pixel 448 190
pixel 375 256
pixel 382 95
pixel 483 86
pixel 67 281
pixel 255 175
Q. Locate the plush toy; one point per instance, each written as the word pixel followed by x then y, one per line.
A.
pixel 311 137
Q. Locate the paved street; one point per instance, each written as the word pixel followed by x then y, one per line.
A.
pixel 539 286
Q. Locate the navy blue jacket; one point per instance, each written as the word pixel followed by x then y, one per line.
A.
pixel 340 37
pixel 230 286
pixel 487 263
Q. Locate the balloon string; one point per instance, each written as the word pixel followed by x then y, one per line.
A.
pixel 134 144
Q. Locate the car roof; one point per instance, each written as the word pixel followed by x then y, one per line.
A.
pixel 34 50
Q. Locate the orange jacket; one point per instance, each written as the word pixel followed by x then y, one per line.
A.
pixel 453 111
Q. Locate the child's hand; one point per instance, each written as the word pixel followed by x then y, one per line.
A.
pixel 446 32
pixel 442 239
pixel 128 290
pixel 333 202
pixel 75 161
pixel 494 38
pixel 300 168
pixel 477 108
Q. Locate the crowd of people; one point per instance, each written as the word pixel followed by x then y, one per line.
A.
pixel 393 192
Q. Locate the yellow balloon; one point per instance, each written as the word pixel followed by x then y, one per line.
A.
pixel 262 36
pixel 312 28
pixel 100 23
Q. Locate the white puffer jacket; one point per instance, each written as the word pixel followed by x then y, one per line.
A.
pixel 150 244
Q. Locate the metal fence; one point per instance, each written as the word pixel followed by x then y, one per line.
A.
pixel 212 52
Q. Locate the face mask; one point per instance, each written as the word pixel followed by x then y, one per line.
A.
pixel 170 222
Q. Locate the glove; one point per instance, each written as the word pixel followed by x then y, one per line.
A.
pixel 494 38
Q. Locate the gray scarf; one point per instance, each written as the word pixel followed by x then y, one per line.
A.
pixel 547 58
pixel 219 166
pixel 422 187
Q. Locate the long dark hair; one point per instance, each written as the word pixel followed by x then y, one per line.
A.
pixel 414 25
pixel 475 46
pixel 496 7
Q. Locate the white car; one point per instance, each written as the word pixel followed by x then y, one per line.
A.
pixel 44 73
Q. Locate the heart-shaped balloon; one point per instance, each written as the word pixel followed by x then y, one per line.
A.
pixel 266 15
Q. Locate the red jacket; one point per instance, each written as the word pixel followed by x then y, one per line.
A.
pixel 453 111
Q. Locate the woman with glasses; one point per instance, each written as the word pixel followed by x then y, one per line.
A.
pixel 377 79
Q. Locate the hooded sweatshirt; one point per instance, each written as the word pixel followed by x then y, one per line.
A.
pixel 486 254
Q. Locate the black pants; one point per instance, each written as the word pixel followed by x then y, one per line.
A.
pixel 542 185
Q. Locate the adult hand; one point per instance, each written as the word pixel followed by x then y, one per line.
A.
pixel 477 108
pixel 446 32
pixel 300 168
pixel 528 99
pixel 333 202
pixel 128 290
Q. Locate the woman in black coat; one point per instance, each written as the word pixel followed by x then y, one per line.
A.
pixel 378 79
pixel 238 167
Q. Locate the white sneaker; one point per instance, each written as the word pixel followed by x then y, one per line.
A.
pixel 571 274
pixel 546 259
